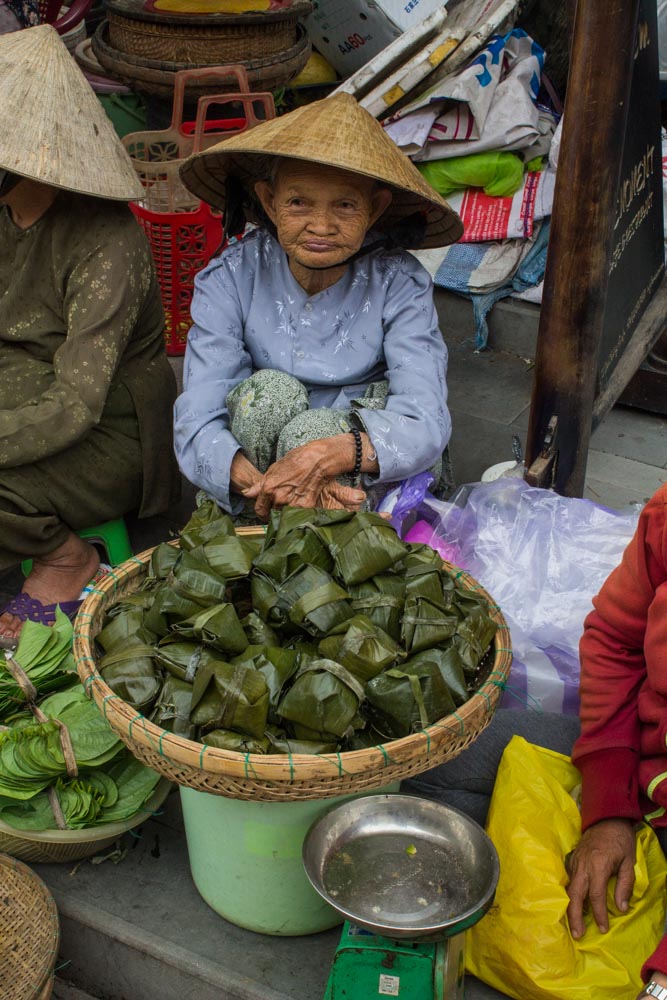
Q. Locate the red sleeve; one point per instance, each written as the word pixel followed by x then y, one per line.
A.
pixel 613 668
pixel 657 962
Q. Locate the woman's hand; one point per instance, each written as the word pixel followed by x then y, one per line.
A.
pixel 606 849
pixel 306 474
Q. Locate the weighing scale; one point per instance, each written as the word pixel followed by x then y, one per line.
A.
pixel 409 876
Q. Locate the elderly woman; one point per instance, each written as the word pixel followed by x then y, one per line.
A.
pixel 86 391
pixel 315 365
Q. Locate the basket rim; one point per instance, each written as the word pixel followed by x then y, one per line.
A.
pixel 175 19
pixel 279 768
pixel 100 41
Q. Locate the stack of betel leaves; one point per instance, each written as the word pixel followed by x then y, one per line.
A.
pixel 327 634
pixel 61 764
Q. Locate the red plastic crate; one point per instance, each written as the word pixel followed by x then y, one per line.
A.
pixel 182 244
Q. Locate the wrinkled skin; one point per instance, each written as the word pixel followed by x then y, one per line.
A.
pixel 606 849
pixel 321 215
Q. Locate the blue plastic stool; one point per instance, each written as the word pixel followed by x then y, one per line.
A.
pixel 112 535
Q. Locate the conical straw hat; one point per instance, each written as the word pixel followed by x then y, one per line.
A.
pixel 336 132
pixel 52 127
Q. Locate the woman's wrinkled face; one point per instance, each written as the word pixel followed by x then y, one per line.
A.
pixel 321 214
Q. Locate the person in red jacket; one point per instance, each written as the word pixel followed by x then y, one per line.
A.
pixel 622 749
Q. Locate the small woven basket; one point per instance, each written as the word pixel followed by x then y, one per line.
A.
pixel 280 777
pixel 157 77
pixel 73 845
pixel 29 933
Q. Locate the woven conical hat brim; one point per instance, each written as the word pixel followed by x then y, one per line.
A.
pixel 336 132
pixel 52 127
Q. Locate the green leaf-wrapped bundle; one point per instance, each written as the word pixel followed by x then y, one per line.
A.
pixel 423 580
pixel 301 546
pixel 217 626
pixel 230 696
pixel 231 557
pixel 282 522
pixel 473 638
pixel 276 665
pixel 325 698
pixel 162 561
pixel 124 629
pixel 381 600
pixel 362 547
pixel 410 698
pixel 180 657
pixel 208 522
pixel 226 739
pixel 450 665
pixel 172 709
pixel 131 673
pixel 193 580
pixel 257 632
pixel 309 599
pixel 363 648
pixel 426 623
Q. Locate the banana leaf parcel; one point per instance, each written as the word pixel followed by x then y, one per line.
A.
pixel 230 696
pixel 362 546
pixel 360 646
pixel 410 698
pixel 131 673
pixel 308 599
pixel 172 709
pixel 276 665
pixel 324 699
pixel 381 599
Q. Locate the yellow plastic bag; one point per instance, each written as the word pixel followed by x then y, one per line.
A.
pixel 523 945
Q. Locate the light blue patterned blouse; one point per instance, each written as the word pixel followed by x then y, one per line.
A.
pixel 377 322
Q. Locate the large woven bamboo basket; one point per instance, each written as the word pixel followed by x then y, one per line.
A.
pixel 200 39
pixel 157 77
pixel 281 777
pixel 74 845
pixel 29 933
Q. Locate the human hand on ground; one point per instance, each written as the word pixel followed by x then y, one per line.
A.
pixel 606 849
pixel 300 478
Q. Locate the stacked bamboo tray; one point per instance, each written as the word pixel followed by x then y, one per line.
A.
pixel 145 47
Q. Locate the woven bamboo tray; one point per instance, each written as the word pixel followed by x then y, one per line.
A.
pixel 280 777
pixel 214 38
pixel 29 933
pixel 73 845
pixel 157 77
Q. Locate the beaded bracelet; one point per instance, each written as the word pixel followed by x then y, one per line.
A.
pixel 358 450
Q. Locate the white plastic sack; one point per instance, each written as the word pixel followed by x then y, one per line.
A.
pixel 543 558
pixel 487 105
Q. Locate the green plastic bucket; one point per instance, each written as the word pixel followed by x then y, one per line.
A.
pixel 245 859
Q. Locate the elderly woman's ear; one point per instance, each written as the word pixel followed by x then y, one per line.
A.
pixel 381 201
pixel 265 194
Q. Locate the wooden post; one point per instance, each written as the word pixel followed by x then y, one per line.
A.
pixel 575 285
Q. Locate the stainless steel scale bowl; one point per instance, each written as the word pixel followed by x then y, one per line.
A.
pixel 409 875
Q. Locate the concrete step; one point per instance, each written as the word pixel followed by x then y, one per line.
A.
pixel 139 930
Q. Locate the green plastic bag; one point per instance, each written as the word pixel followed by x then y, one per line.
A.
pixel 498 174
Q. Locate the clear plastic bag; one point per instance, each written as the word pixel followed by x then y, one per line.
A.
pixel 541 556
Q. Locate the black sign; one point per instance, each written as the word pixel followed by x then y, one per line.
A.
pixel 637 261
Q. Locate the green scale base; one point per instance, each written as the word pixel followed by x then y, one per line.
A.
pixel 367 966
